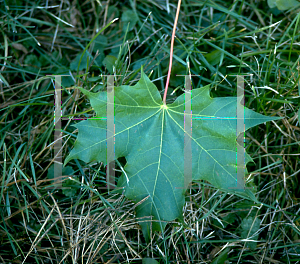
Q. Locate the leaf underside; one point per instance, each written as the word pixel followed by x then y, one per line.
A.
pixel 151 138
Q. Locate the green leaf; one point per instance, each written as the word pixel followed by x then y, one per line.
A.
pixel 72 187
pixel 272 3
pixel 283 4
pixel 228 219
pixel 100 43
pixel 66 81
pixel 213 57
pixel 113 11
pixel 75 62
pixel 149 261
pixel 138 64
pixel 109 62
pixel 32 63
pixel 150 136
pixel 71 191
pixel 250 226
pixel 65 171
pixel 129 16
pixel 286 4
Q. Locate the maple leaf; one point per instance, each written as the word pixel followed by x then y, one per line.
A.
pixel 150 136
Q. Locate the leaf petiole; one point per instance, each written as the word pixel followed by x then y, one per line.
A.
pixel 171 52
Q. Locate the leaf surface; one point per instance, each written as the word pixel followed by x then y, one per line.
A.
pixel 151 138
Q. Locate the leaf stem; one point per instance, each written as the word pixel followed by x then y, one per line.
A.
pixel 171 51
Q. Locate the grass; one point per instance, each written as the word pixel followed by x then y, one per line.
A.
pixel 86 224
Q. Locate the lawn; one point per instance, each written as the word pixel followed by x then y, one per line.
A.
pixel 75 218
